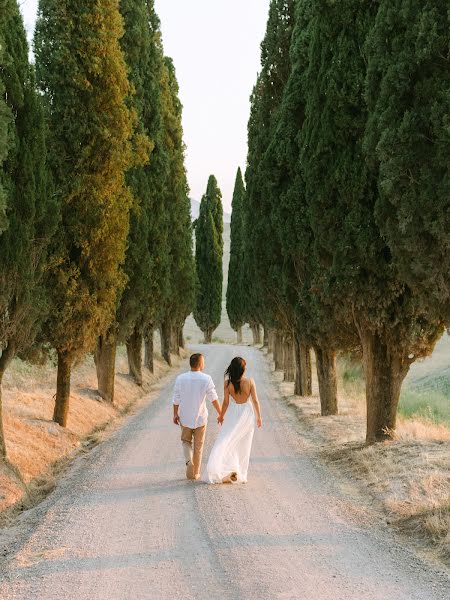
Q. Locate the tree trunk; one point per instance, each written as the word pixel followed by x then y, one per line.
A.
pixel 265 337
pixel 61 411
pixel 271 342
pixel 149 349
pixel 2 431
pixel 303 375
pixel 134 353
pixel 181 342
pixel 6 357
pixel 164 331
pixel 384 374
pixel 239 335
pixel 208 336
pixel 289 359
pixel 326 374
pixel 105 364
pixel 256 332
pixel 278 355
pixel 174 336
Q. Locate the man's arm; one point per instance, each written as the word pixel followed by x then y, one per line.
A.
pixel 211 394
pixel 176 403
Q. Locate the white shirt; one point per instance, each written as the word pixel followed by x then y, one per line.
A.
pixel 190 394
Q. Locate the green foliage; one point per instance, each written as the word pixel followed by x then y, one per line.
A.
pixel 143 53
pixel 208 258
pixel 31 211
pixel 408 142
pixel 182 279
pixel 236 284
pixel 263 300
pixel 82 73
pixel 356 274
pixel 5 114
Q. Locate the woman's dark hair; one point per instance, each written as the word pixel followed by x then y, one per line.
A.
pixel 235 371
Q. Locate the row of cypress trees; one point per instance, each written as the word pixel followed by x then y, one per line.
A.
pixel 95 228
pixel 346 211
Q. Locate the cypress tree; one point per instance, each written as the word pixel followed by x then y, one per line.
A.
pixel 235 283
pixel 180 299
pixel 355 274
pixel 5 116
pixel 285 191
pixel 143 55
pixel 31 212
pixel 208 259
pixel 265 303
pixel 82 72
pixel 408 142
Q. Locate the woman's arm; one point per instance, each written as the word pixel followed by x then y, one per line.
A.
pixel 226 402
pixel 256 404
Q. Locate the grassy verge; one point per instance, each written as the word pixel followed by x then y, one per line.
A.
pixel 38 449
pixel 406 481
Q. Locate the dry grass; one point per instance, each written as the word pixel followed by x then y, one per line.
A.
pixel 39 449
pixel 409 478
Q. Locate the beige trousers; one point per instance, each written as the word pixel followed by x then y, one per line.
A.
pixel 193 441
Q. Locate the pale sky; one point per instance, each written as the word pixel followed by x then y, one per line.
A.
pixel 215 45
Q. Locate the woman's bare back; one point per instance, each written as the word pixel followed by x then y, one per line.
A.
pixel 244 393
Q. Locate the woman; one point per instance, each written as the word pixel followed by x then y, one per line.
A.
pixel 229 458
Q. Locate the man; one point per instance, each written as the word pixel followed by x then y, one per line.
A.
pixel 192 389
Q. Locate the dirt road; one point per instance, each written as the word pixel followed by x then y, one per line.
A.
pixel 125 524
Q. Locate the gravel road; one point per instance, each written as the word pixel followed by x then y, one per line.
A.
pixel 124 523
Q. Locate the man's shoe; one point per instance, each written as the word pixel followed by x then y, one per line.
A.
pixel 190 470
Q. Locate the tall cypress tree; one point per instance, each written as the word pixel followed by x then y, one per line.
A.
pixel 5 115
pixel 141 47
pixel 180 299
pixel 82 72
pixel 262 257
pixel 31 212
pixel 208 259
pixel 285 189
pixel 356 275
pixel 408 142
pixel 235 287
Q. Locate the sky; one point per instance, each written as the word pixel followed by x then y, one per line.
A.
pixel 215 45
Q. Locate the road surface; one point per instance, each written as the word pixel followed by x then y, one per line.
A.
pixel 124 523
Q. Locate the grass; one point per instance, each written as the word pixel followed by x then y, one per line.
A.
pixel 405 481
pixel 38 449
pixel 427 398
pixel 431 405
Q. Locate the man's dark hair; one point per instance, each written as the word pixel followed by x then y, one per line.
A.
pixel 194 361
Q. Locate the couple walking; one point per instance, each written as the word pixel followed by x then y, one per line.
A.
pixel 229 458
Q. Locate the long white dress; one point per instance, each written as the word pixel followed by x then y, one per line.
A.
pixel 231 450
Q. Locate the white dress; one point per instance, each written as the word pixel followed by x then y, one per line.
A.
pixel 231 450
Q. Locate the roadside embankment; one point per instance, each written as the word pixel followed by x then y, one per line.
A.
pixel 39 449
pixel 407 481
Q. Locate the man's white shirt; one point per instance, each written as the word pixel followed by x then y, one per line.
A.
pixel 192 389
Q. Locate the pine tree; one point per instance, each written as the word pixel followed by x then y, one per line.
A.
pixel 355 273
pixel 82 72
pixel 408 141
pixel 235 282
pixel 208 259
pixel 32 214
